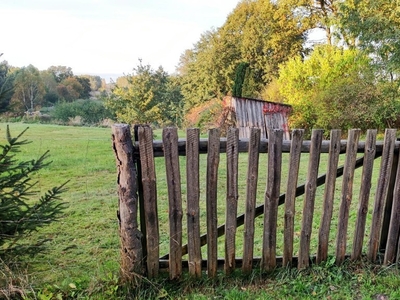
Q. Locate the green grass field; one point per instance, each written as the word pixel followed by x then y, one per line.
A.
pixel 81 257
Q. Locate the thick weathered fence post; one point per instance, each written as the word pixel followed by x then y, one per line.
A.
pixel 130 236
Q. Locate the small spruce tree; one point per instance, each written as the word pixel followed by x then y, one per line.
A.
pixel 19 214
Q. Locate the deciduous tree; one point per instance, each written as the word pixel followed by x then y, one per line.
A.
pixel 333 88
pixel 262 33
pixel 29 89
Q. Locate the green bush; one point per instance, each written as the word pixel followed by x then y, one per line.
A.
pixel 91 111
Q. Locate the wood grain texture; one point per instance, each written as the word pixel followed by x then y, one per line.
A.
pixel 149 186
pixel 211 201
pixel 193 199
pixel 130 236
pixel 381 192
pixel 294 163
pixel 170 142
pixel 232 196
pixel 347 194
pixel 309 198
pixel 365 190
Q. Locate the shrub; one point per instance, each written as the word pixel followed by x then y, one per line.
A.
pixel 90 111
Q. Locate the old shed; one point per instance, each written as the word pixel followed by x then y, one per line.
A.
pixel 246 113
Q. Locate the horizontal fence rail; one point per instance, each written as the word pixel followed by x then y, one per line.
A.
pixel 186 193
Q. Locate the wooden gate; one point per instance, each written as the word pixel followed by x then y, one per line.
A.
pixel 379 242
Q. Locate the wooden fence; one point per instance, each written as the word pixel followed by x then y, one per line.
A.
pixel 138 186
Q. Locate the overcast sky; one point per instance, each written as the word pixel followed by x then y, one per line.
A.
pixel 105 37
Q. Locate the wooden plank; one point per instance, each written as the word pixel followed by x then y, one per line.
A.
pixel 136 159
pixel 170 142
pixel 244 145
pixel 381 192
pixel 365 189
pixel 309 198
pixel 251 194
pixel 272 199
pixel 250 113
pixel 232 196
pixel 259 114
pixel 388 203
pixel 211 201
pixel 394 225
pixel 329 194
pixel 294 163
pixel 130 236
pixel 240 114
pixel 193 199
pixel 145 135
pixel 347 194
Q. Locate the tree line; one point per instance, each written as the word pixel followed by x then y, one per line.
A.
pixel 267 49
pixel 27 89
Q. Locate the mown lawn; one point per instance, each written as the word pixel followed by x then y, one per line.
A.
pixel 81 254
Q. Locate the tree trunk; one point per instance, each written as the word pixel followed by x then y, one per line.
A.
pixel 130 236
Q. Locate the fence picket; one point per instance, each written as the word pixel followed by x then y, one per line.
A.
pixel 365 190
pixel 275 139
pixel 232 195
pixel 347 194
pixel 295 153
pixel 251 193
pixel 145 136
pixel 170 142
pixel 193 197
pixel 329 193
pixel 394 225
pixel 211 201
pixel 381 192
pixel 389 203
pixel 309 198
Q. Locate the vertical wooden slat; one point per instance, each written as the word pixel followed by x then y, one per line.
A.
pixel 309 198
pixel 275 140
pixel 232 165
pixel 388 203
pixel 193 198
pixel 170 144
pixel 130 236
pixel 329 194
pixel 150 199
pixel 381 192
pixel 136 158
pixel 295 153
pixel 365 189
pixel 211 201
pixel 347 194
pixel 251 194
pixel 394 225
